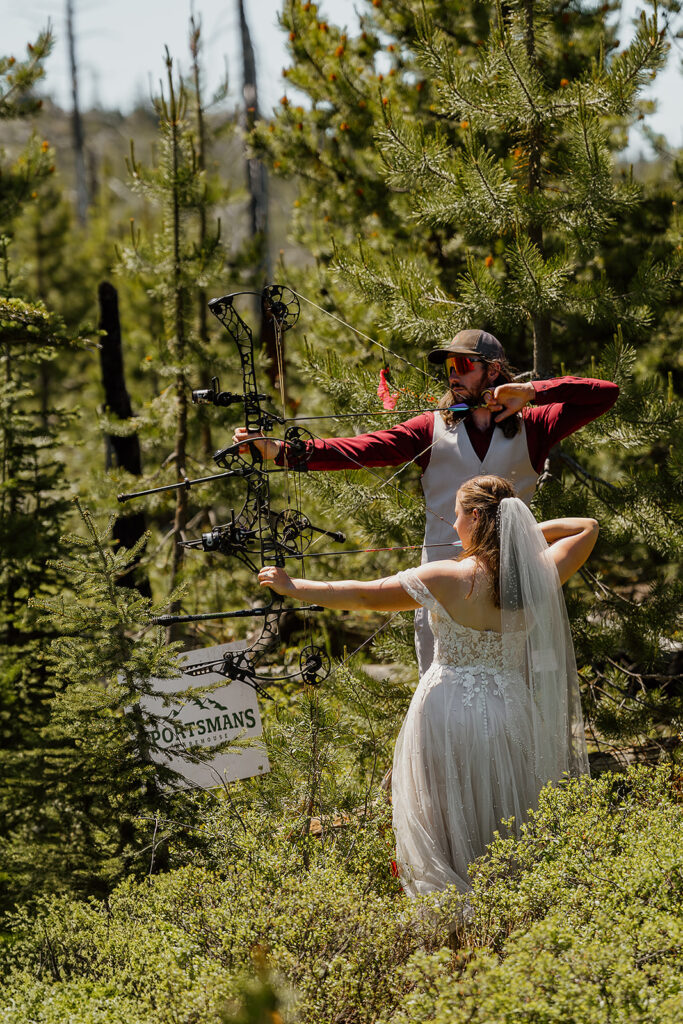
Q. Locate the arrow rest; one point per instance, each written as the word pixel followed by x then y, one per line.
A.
pixel 214 395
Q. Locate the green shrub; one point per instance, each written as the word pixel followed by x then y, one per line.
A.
pixel 182 943
pixel 578 920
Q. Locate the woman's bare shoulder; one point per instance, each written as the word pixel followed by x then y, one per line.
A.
pixel 463 589
pixel 448 569
pixel 449 580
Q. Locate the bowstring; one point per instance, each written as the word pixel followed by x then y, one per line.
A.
pixel 362 334
pixel 389 480
pixel 297 488
pixel 280 362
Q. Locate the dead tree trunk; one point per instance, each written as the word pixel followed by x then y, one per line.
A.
pixel 257 184
pixel 257 178
pixel 202 297
pixel 123 452
pixel 76 122
pixel 542 324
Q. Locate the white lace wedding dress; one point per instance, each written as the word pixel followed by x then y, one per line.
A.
pixel 464 757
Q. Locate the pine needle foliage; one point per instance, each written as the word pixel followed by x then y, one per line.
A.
pixel 33 493
pixel 625 470
pixel 503 208
pixel 99 784
pixel 33 510
pixel 533 177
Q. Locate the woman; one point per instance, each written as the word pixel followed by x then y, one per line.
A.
pixel 497 715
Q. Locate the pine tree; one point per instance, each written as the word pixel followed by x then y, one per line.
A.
pixel 33 510
pixel 33 503
pixel 511 217
pixel 352 81
pixel 543 205
pixel 100 787
pixel 176 262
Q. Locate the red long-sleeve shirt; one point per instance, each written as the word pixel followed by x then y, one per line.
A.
pixel 561 406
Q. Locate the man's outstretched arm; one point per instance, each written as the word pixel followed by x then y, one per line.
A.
pixel 405 442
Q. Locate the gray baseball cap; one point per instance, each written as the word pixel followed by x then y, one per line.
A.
pixel 469 343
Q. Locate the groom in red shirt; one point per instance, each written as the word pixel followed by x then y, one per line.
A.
pixel 507 429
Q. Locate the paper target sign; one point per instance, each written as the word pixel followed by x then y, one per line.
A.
pixel 227 713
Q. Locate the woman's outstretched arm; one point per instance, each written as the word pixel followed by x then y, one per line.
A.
pixel 570 543
pixel 386 595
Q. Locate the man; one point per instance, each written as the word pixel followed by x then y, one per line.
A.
pixel 508 431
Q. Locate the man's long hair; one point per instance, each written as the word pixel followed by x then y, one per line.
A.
pixel 510 426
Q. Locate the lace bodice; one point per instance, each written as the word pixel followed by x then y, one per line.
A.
pixel 455 644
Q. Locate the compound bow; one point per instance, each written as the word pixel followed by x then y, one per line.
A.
pixel 256 535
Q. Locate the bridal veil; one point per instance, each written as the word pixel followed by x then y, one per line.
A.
pixel 532 605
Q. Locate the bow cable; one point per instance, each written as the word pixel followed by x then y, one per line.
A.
pixel 296 486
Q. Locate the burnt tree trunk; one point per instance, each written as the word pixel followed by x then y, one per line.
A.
pixel 542 324
pixel 82 199
pixel 123 452
pixel 257 184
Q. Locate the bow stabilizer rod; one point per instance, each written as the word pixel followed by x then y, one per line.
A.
pixel 171 620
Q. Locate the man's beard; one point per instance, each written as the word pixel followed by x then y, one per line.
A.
pixel 470 395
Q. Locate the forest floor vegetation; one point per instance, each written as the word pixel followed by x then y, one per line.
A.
pixel 575 920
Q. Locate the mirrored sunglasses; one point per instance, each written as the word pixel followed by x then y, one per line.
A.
pixel 459 364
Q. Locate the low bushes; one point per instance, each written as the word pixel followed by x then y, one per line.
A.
pixel 577 920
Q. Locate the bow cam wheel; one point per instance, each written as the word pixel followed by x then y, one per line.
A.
pixel 296 439
pixel 293 531
pixel 315 665
pixel 222 308
pixel 281 304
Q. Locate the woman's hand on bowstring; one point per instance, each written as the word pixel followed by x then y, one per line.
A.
pixel 267 446
pixel 278 580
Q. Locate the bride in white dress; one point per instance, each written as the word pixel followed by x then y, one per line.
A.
pixel 498 714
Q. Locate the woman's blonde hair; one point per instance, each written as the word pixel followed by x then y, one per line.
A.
pixel 484 494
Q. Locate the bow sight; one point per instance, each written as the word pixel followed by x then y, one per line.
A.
pixel 214 395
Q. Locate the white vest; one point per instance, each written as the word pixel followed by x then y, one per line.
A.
pixel 452 461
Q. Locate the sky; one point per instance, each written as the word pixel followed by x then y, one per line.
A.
pixel 120 50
